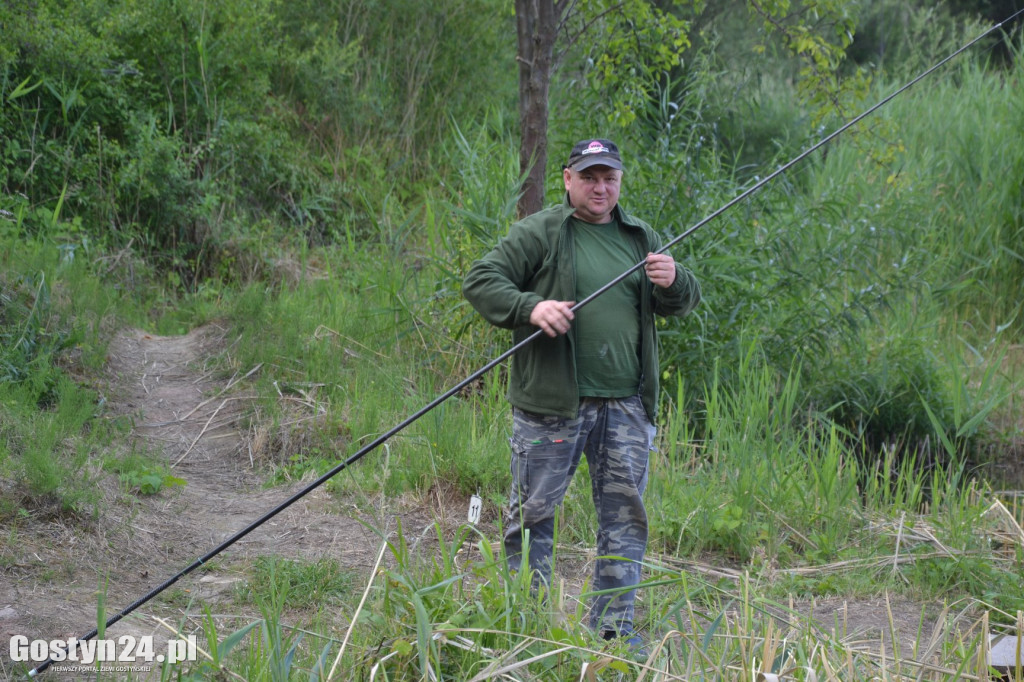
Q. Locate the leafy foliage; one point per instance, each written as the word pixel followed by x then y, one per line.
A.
pixel 631 45
pixel 165 125
pixel 818 32
pixel 144 474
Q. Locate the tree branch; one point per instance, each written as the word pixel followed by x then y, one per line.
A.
pixel 563 8
pixel 571 40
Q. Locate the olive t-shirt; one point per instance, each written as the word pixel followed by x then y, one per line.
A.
pixel 608 328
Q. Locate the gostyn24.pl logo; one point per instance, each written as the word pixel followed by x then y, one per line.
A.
pixel 124 649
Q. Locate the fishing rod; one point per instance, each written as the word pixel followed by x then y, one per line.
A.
pixel 377 442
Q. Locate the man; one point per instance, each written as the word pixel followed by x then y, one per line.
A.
pixel 590 385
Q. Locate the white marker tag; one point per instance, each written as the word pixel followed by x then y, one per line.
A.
pixel 475 505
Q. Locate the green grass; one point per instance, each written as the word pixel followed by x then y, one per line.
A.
pixel 468 619
pixel 316 584
pixel 47 451
pixel 953 198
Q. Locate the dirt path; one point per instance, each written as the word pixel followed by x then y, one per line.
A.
pixel 195 419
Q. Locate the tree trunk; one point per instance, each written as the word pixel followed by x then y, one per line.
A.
pixel 536 29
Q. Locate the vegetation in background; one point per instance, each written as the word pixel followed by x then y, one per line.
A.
pixel 169 128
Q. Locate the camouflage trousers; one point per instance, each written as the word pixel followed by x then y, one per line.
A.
pixel 616 437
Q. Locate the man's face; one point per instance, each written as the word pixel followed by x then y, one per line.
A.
pixel 593 192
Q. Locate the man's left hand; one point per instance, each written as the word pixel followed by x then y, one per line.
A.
pixel 661 269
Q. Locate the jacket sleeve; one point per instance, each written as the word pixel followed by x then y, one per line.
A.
pixel 682 296
pixel 495 285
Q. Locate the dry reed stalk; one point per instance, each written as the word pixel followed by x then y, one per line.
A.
pixel 983 650
pixel 180 635
pixel 359 608
pixel 205 427
pixel 231 382
pixel 322 331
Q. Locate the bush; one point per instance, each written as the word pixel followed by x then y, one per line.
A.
pixel 880 392
pixel 152 124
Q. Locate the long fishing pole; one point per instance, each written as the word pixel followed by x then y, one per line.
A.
pixel 377 442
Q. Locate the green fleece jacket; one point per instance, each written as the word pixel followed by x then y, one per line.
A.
pixel 535 262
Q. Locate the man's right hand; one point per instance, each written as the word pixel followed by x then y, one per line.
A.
pixel 553 316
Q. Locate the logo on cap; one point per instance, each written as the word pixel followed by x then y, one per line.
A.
pixel 596 147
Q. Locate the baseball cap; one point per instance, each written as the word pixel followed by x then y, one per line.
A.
pixel 595 152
